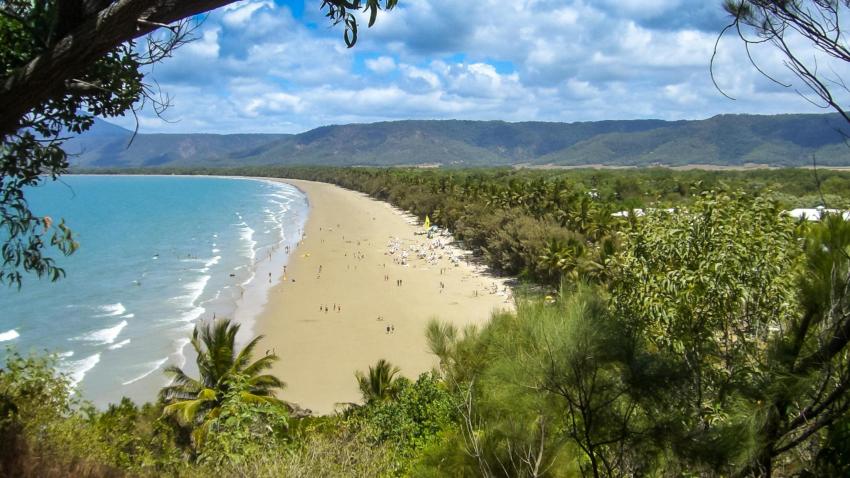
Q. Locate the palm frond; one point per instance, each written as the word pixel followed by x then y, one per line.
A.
pixel 263 363
pixel 265 383
pixel 244 357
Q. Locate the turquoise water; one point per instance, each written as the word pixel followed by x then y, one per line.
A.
pixel 157 254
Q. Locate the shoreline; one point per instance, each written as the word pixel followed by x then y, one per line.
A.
pixel 336 343
pixel 255 289
pixel 328 315
pixel 245 309
pixel 243 304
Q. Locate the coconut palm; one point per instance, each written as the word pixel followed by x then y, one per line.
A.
pixel 222 369
pixel 380 384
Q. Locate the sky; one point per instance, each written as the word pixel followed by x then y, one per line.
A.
pixel 263 66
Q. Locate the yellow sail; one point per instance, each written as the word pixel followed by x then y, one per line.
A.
pixel 427 222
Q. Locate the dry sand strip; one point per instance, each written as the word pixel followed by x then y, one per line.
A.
pixel 344 264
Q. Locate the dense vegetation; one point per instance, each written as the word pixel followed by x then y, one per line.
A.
pixel 539 225
pixel 707 341
pixel 727 140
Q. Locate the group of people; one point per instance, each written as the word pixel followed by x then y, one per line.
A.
pixel 324 308
pixel 431 251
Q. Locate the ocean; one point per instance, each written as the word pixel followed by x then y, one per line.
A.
pixel 157 255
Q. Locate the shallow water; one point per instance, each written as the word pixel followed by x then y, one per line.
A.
pixel 156 255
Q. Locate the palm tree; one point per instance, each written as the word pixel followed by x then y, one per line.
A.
pixel 381 383
pixel 223 371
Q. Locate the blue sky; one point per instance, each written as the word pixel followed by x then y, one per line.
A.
pixel 279 66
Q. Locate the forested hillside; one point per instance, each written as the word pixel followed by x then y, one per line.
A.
pixel 727 140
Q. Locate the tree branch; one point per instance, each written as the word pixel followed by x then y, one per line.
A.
pixel 97 34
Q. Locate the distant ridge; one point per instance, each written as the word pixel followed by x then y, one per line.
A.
pixel 725 140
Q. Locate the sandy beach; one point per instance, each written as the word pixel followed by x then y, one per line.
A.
pixel 360 269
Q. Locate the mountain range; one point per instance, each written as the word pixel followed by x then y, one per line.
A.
pixel 724 140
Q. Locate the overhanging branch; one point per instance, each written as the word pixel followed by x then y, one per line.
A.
pixel 99 32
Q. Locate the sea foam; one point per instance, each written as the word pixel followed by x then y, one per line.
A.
pixel 119 344
pixel 212 262
pixel 247 235
pixel 77 370
pixel 155 366
pixel 111 310
pixel 9 335
pixel 195 289
pixel 105 336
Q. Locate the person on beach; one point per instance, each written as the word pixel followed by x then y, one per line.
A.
pixel 388 329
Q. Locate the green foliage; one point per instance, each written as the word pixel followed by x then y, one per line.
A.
pixel 707 341
pixel 419 411
pixel 134 438
pixel 47 432
pixel 548 396
pixel 461 354
pixel 729 294
pixel 224 373
pixel 414 419
pixel 708 285
pixel 380 384
pixel 710 357
pixel 833 459
pixel 243 430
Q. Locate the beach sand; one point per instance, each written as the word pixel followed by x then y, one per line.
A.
pixel 348 236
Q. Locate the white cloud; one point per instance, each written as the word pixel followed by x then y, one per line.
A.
pixel 258 68
pixel 206 47
pixel 381 65
pixel 421 76
pixel 237 15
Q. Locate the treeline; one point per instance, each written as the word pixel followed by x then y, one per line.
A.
pixel 542 225
pixel 707 341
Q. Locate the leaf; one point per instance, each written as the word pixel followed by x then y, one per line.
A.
pixel 373 12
